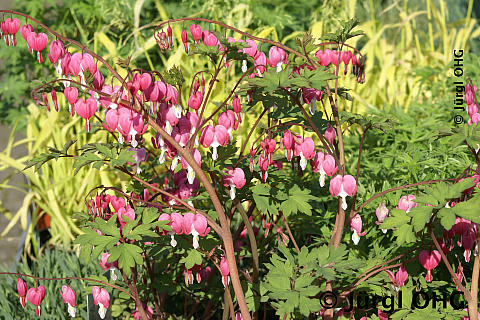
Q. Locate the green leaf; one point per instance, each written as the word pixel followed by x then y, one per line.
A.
pixel 127 255
pixel 108 227
pixel 297 201
pixel 447 217
pixel 421 215
pixel 193 257
pixel 468 210
pixel 404 234
pixel 395 220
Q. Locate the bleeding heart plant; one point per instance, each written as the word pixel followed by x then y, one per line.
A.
pixel 155 229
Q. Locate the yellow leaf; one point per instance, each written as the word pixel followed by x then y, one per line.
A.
pixel 107 43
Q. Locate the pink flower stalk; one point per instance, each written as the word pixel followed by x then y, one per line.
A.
pixel 330 134
pixel 268 147
pixel 214 137
pixel 190 173
pixel 196 225
pixel 188 275
pixel 177 227
pixel 429 260
pixel 459 276
pixel 406 203
pixel 399 278
pixel 343 187
pixel 345 57
pixel 237 108
pixel 260 63
pixel 101 297
pixel 9 28
pixel 225 271
pixel 227 119
pixel 170 35
pixel 263 163
pixel 311 96
pixel 235 178
pixel 57 52
pixel 209 39
pixel 129 213
pixel 38 42
pixel 468 242
pixel 382 213
pixel 277 57
pixel 22 291
pixel 36 296
pixel 196 32
pixel 71 94
pixel 25 31
pixel 356 227
pixel 86 110
pixel 185 40
pixel 288 144
pixel 148 309
pixel 469 94
pixel 382 315
pixel 109 265
pixel 69 297
pixel 117 203
pixel 325 164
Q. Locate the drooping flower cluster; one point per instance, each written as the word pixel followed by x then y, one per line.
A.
pixel 190 223
pixel 334 57
pixel 472 107
pixel 466 231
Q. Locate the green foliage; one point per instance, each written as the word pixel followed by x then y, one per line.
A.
pixel 53 263
pixel 290 284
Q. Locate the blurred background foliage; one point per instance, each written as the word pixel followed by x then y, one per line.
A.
pixel 408 45
pixel 402 37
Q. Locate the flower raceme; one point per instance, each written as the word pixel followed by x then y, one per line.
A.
pixel 194 224
pixel 343 186
pixel 69 297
